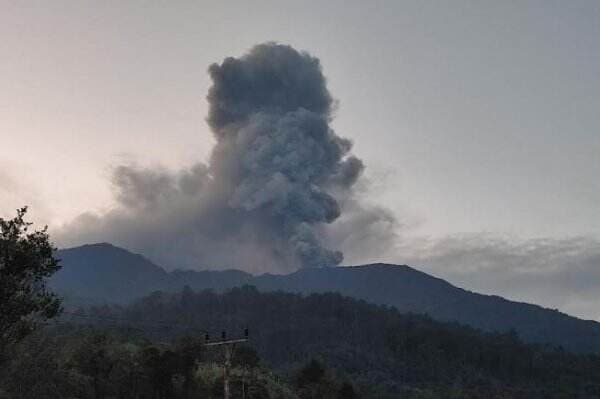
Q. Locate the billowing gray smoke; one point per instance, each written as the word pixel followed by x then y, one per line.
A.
pixel 276 154
pixel 277 175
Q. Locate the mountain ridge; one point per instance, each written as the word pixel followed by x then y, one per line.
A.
pixel 104 273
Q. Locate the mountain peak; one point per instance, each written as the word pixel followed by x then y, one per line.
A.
pixel 106 273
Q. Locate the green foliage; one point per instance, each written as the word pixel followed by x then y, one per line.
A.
pixel 383 352
pixel 26 260
pixel 74 362
pixel 317 347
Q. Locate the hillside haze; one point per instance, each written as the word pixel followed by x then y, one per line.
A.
pixel 103 273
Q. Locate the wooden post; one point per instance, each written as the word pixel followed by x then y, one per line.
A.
pixel 228 346
pixel 226 371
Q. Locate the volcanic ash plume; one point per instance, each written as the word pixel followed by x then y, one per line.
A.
pixel 277 174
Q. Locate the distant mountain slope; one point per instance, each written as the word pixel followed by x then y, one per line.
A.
pixel 104 273
pixel 412 291
pixel 99 273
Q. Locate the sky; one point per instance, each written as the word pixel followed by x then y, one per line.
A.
pixel 478 122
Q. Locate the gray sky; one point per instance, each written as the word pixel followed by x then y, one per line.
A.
pixel 471 117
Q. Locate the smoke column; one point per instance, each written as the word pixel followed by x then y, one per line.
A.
pixel 276 177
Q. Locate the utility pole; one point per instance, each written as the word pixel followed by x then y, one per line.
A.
pixel 228 347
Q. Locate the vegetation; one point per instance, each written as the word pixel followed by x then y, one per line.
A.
pixel 26 259
pixel 322 346
pixel 74 362
pixel 102 273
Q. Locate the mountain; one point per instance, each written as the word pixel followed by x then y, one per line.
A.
pixel 104 273
pixel 410 290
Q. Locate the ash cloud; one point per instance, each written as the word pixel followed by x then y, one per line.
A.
pixel 277 179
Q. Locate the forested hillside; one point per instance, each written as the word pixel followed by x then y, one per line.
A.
pixel 384 353
pixel 103 273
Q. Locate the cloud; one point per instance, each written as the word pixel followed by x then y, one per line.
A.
pixel 277 181
pixel 282 190
pixel 557 273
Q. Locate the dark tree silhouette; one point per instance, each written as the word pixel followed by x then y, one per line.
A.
pixel 26 260
pixel 312 373
pixel 347 392
pixel 245 356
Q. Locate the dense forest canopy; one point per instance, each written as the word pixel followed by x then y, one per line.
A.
pixel 375 351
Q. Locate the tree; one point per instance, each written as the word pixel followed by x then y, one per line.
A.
pixel 347 391
pixel 246 357
pixel 313 382
pixel 26 260
pixel 312 373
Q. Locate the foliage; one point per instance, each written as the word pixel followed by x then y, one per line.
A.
pixel 322 346
pixel 70 361
pixel 378 348
pixel 26 260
